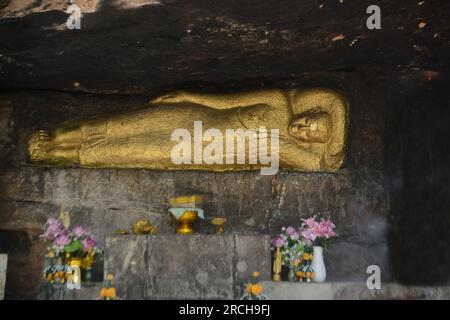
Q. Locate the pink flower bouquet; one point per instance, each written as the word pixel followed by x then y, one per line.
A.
pixel 62 241
pixel 318 232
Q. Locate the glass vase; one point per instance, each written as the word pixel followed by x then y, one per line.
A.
pixel 291 274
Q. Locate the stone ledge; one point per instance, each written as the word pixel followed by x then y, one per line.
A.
pixel 287 291
pixel 351 291
pixel 60 292
pixel 186 267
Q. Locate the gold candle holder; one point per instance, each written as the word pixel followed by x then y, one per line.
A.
pixel 185 221
pixel 219 223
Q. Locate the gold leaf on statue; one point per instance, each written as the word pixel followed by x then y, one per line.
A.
pixel 310 125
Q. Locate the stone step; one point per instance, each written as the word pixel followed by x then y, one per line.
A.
pixel 286 291
pixel 60 292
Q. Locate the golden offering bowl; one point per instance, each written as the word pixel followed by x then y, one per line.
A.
pixel 219 223
pixel 189 201
pixel 185 221
pixel 142 227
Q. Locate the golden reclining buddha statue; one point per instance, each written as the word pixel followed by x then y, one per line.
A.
pixel 311 123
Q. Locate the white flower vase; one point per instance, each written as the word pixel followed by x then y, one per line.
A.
pixel 318 265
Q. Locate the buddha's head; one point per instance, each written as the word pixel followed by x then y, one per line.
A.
pixel 312 127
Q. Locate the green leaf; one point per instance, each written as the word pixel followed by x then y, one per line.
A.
pixel 74 246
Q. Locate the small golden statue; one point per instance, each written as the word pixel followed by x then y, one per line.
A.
pixel 219 223
pixel 144 227
pixel 277 263
pixel 311 123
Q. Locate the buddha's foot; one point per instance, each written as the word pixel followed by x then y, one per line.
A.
pixel 39 145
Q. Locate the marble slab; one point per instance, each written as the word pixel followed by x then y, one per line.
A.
pixel 186 267
pixel 60 292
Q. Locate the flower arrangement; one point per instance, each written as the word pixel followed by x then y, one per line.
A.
pixel 318 232
pixel 65 243
pixel 66 247
pixel 296 248
pixel 56 274
pixel 254 290
pixel 108 291
pixel 291 245
pixel 305 271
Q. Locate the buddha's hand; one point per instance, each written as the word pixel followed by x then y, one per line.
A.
pixel 171 97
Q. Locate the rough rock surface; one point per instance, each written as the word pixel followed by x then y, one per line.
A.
pixel 3 265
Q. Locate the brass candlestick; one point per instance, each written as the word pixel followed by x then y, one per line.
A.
pixel 219 223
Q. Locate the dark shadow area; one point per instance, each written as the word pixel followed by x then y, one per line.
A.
pixel 210 44
pixel 24 260
pixel 13 242
pixel 418 159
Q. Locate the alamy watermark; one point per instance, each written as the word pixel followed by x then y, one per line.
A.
pixel 74 20
pixel 236 150
pixel 374 20
pixel 374 280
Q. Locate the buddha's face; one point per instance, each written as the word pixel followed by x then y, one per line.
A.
pixel 313 127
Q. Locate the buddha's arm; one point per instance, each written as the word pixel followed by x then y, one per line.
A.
pixel 293 156
pixel 226 101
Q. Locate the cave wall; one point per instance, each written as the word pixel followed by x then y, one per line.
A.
pixel 395 79
pixel 105 200
pixel 417 166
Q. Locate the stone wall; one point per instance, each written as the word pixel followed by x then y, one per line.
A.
pixel 3 264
